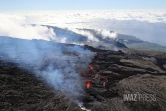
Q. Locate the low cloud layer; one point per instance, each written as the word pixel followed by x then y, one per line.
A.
pixel 18 28
pixel 148 25
pixel 151 32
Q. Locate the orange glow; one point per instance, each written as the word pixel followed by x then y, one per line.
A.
pixel 84 74
pixel 88 84
pixel 91 67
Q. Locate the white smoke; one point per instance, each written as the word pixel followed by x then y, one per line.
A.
pixel 55 62
pixel 107 34
pixel 87 34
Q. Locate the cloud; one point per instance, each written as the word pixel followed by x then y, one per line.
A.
pixel 79 18
pixel 151 32
pixel 147 25
pixel 18 28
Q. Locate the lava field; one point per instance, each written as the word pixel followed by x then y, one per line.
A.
pixel 114 73
pixel 110 75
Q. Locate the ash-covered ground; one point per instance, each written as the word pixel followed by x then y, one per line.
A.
pixel 111 75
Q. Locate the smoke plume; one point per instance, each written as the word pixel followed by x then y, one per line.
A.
pixel 107 34
pixel 88 34
pixel 56 63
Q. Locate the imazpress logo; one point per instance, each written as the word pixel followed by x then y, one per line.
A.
pixel 139 97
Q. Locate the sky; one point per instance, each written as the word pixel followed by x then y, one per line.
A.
pixel 37 5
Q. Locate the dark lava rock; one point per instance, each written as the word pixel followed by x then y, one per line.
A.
pixel 114 74
pixel 21 91
pixel 136 72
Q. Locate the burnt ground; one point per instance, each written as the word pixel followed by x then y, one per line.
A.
pixel 134 72
pixel 20 90
pixel 112 74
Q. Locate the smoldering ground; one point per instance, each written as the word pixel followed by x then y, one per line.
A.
pixel 40 51
pixel 56 63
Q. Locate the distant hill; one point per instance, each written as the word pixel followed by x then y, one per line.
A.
pixel 130 42
pixel 135 43
pixel 121 41
pixel 119 44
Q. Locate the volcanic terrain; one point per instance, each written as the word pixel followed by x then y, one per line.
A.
pixel 116 73
pixel 110 75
